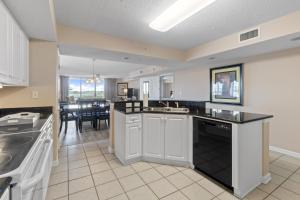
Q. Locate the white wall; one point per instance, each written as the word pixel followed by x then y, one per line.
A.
pixel 272 86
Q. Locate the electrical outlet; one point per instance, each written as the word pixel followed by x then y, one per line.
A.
pixel 35 94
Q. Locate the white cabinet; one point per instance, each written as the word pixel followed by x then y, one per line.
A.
pixel 13 51
pixel 4 44
pixel 176 137
pixel 133 140
pixel 165 136
pixel 153 135
pixel 128 136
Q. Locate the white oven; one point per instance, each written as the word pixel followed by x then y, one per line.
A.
pixel 30 180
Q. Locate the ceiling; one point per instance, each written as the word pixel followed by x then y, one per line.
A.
pixel 36 17
pixel 80 66
pixel 130 18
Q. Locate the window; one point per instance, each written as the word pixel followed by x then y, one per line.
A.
pixel 166 86
pixel 80 88
pixel 146 87
pixel 74 88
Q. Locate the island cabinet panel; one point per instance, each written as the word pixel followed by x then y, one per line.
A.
pixel 165 137
pixel 153 135
pixel 127 137
pixel 176 137
pixel 133 140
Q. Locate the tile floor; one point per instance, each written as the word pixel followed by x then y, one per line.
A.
pixel 88 172
pixel 89 134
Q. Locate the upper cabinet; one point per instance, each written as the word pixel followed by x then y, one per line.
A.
pixel 14 51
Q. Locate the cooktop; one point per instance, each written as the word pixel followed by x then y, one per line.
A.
pixel 14 148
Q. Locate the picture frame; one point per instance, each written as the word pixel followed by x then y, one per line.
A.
pixel 227 84
pixel 122 89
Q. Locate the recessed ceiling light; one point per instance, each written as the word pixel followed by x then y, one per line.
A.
pixel 177 13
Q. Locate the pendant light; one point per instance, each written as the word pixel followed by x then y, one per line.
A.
pixel 93 79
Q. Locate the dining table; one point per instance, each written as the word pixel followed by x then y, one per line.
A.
pixel 74 111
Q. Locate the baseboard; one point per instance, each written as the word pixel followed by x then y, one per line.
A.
pixel 55 163
pixel 285 152
pixel 266 179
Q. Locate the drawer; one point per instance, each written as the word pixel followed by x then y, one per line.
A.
pixel 137 104
pixel 133 118
pixel 128 105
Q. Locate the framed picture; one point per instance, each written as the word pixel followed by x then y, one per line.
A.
pixel 122 89
pixel 226 84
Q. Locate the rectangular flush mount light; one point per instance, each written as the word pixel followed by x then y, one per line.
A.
pixel 177 13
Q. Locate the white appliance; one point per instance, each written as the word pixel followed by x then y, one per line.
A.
pixel 30 179
pixel 22 118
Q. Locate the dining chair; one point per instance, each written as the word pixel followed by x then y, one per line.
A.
pixel 87 114
pixel 66 116
pixel 103 114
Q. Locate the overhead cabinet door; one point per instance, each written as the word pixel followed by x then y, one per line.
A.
pixel 13 51
pixel 4 43
pixel 17 68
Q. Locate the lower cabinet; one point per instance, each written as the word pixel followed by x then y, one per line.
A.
pixel 176 137
pixel 157 137
pixel 165 136
pixel 127 136
pixel 133 144
pixel 153 135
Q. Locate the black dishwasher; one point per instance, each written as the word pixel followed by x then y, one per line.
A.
pixel 212 149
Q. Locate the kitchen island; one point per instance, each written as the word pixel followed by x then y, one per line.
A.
pixel 169 138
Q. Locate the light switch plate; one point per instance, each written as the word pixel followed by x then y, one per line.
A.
pixel 35 94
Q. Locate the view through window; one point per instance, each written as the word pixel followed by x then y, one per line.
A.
pixel 80 88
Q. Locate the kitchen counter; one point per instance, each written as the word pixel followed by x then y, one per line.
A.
pixel 230 116
pixel 4 184
pixel 17 140
pixel 223 115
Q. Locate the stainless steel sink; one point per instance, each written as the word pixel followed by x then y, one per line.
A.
pixel 155 109
pixel 167 109
pixel 177 110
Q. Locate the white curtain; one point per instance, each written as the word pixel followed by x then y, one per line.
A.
pixel 110 88
pixel 64 88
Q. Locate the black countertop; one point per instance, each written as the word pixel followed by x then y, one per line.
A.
pixel 17 140
pixel 230 116
pixel 218 114
pixel 4 183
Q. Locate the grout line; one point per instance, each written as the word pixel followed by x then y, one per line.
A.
pixel 68 172
pixel 117 179
pixel 91 174
pixel 286 179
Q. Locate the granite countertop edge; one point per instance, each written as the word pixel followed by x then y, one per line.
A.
pixel 263 117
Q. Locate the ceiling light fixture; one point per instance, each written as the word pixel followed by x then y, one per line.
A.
pixel 96 77
pixel 177 13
